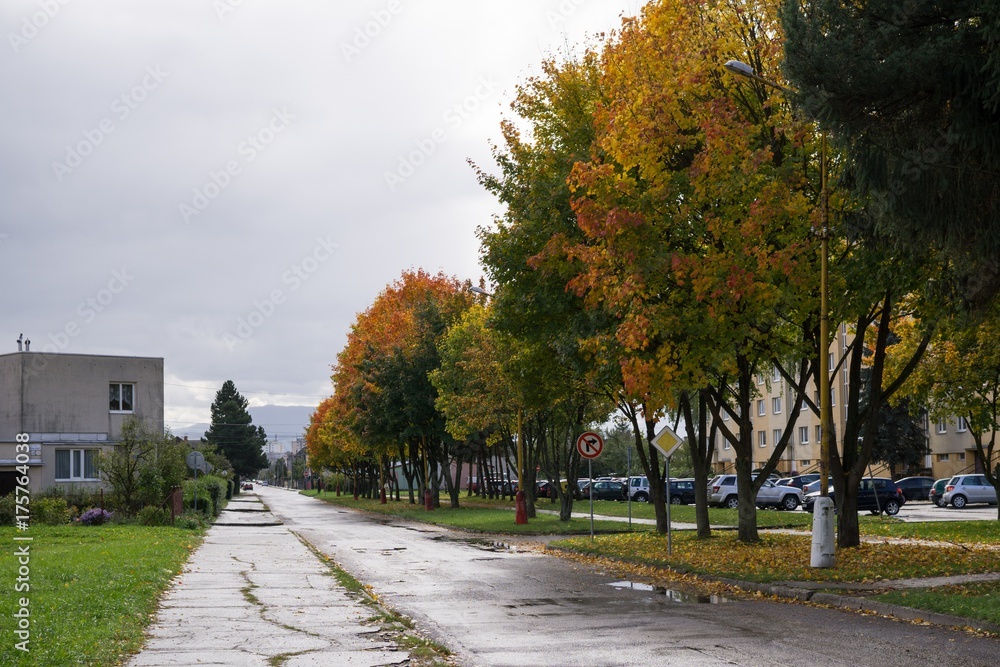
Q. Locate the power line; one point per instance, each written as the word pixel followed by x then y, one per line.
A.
pixel 256 393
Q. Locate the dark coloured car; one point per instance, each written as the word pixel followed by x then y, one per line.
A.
pixel 936 494
pixel 915 488
pixel 605 490
pixel 888 498
pixel 682 491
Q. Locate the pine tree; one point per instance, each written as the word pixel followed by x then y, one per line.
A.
pixel 911 90
pixel 233 432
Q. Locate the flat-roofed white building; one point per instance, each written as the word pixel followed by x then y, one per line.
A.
pixel 71 406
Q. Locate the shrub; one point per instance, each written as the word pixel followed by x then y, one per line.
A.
pixel 190 521
pixel 50 511
pixel 150 515
pixel 7 510
pixel 95 517
pixel 196 491
pixel 217 491
pixel 76 496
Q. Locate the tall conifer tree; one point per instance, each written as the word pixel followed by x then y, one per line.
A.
pixel 233 432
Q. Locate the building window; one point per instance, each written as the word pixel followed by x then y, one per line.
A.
pixel 819 433
pixel 942 457
pixel 961 456
pixel 725 443
pixel 75 465
pixel 776 405
pixel 805 463
pixel 777 436
pixel 725 415
pixel 121 397
pixel 830 361
pixel 962 426
pixel 760 408
pixel 942 426
pixel 760 379
pixel 762 437
pixel 775 374
pixel 833 398
pixel 803 435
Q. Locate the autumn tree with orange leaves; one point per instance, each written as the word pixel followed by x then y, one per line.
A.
pixel 383 410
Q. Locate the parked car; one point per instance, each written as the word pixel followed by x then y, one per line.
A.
pixel 799 481
pixel 638 489
pixel 722 493
pixel 247 486
pixel 605 490
pixel 811 487
pixel 964 489
pixel 875 494
pixel 682 491
pixel 936 493
pixel 915 488
pixel 544 489
pixel 548 490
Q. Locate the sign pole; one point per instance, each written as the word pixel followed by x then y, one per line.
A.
pixel 670 541
pixel 667 442
pixel 590 445
pixel 590 473
pixel 628 484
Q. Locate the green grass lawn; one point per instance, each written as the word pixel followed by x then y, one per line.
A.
pixel 980 601
pixel 93 590
pixel 767 518
pixel 479 515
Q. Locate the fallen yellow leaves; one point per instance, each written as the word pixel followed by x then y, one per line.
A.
pixel 778 557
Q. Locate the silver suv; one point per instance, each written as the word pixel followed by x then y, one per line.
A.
pixel 638 489
pixel 722 493
pixel 964 489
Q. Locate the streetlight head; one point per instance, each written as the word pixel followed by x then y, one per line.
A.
pixel 739 68
pixel 479 290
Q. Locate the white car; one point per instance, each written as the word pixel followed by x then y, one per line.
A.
pixel 638 489
pixel 722 492
pixel 964 489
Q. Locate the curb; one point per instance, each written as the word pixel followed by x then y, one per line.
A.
pixel 860 604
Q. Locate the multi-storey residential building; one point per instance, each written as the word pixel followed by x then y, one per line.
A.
pixel 951 448
pixel 69 407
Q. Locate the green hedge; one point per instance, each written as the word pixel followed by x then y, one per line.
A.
pixel 210 492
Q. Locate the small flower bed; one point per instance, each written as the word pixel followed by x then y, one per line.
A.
pixel 95 517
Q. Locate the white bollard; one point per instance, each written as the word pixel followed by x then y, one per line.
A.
pixel 823 547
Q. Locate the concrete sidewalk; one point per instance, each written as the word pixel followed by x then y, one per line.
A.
pixel 254 595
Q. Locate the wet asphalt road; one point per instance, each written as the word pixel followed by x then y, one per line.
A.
pixel 508 608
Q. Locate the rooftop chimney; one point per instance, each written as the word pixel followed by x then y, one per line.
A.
pixel 27 345
pixel 20 342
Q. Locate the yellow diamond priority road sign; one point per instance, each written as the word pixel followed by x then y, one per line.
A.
pixel 666 441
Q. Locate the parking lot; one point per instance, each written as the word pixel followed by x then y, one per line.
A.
pixel 923 510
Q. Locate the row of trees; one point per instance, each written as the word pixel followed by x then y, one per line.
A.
pixel 658 250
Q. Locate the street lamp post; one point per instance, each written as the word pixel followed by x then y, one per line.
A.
pixel 823 546
pixel 520 503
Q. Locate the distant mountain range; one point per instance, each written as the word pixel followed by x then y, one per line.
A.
pixel 283 423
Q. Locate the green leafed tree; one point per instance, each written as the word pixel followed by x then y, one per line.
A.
pixel 143 466
pixel 233 432
pixel 911 91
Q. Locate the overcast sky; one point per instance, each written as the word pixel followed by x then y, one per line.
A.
pixel 226 183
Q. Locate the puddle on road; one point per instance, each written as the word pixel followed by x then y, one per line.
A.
pixel 669 594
